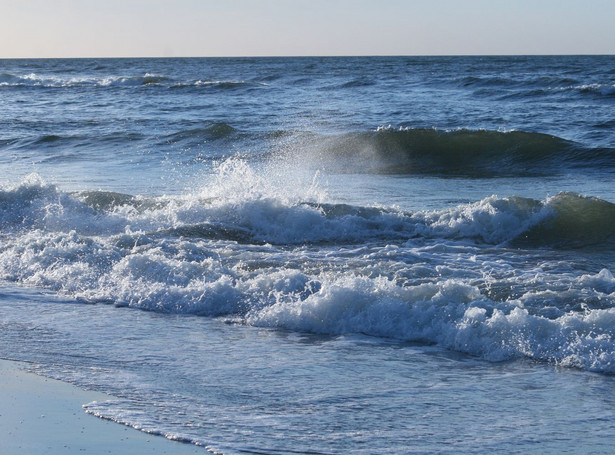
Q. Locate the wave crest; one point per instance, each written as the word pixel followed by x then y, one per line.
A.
pixel 243 205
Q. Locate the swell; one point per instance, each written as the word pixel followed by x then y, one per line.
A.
pixel 502 87
pixel 55 148
pixel 212 131
pixel 470 153
pixel 404 151
pixel 88 145
pixel 599 91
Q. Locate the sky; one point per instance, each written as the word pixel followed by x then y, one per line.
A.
pixel 133 28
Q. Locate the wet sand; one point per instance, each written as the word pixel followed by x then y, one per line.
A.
pixel 44 416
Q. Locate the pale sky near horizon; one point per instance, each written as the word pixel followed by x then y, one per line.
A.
pixel 125 28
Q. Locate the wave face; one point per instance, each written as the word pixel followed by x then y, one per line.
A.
pixel 471 153
pixel 486 278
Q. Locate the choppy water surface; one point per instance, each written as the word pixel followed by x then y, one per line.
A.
pixel 336 255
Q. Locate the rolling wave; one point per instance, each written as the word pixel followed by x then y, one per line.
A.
pixel 88 145
pixel 238 212
pixel 404 151
pixel 470 153
pixel 575 221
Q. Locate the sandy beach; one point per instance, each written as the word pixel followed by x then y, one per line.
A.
pixel 39 415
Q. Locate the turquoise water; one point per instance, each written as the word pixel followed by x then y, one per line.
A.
pixel 317 255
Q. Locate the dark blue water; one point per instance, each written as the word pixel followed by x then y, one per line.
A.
pixel 336 255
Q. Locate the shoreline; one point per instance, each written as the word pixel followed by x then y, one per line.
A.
pixel 45 416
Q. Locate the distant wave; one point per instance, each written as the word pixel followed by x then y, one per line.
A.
pixel 471 153
pixel 39 80
pixel 62 143
pixel 600 89
pixel 7 79
pixel 496 86
pixel 501 81
pixel 505 88
pixel 486 81
pixel 147 79
pixel 210 131
pixel 221 84
pixel 358 83
pixel 595 89
pixel 197 134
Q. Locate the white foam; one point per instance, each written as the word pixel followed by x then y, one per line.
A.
pixel 452 314
pixel 422 276
pixel 492 220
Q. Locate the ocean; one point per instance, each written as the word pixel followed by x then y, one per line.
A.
pixel 340 255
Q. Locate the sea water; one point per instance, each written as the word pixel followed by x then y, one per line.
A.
pixel 318 255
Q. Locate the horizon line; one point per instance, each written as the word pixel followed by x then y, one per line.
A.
pixel 313 56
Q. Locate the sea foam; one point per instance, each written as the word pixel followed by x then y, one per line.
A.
pixel 267 251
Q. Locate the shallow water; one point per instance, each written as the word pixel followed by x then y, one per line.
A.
pixel 240 389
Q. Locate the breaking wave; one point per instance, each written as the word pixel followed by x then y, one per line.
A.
pixel 241 201
pixel 252 250
pixel 399 151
